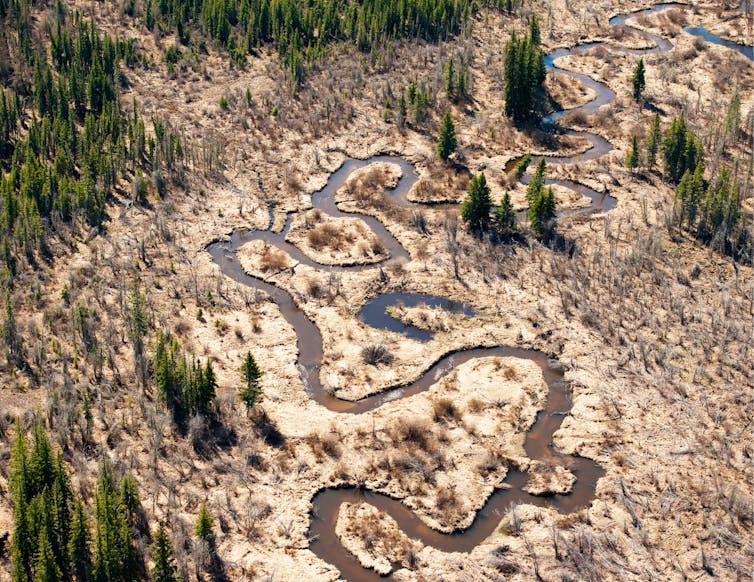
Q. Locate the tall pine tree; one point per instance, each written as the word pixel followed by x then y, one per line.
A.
pixel 164 569
pixel 476 207
pixel 251 390
pixel 446 139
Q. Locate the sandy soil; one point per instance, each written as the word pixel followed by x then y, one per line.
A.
pixel 653 330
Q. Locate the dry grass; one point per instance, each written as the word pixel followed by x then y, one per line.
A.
pixel 445 410
pixel 323 446
pixel 273 259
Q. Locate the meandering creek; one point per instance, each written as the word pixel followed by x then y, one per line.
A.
pixel 538 443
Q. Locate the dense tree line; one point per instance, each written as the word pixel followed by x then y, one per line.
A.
pixel 682 150
pixel 53 537
pixel 302 31
pixel 185 386
pixel 64 138
pixel 524 73
pixel 712 211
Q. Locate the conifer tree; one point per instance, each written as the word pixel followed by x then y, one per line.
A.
pixel 115 557
pixel 251 391
pixel 542 212
pixel 164 569
pixel 204 525
pixel 476 207
pixel 638 81
pixel 634 157
pixel 505 218
pixel 446 140
pixel 79 545
pixel 449 76
pixel 534 33
pixel 10 332
pixel 524 73
pixel 682 150
pixel 537 182
pixel 46 568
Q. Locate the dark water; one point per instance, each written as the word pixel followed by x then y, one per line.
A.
pixel 746 50
pixel 373 312
pixel 538 445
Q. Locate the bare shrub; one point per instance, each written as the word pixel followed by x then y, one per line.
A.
pixel 475 405
pixel 315 289
pixel 414 431
pixel 327 445
pixel 444 409
pixel 375 354
pixel 491 463
pixel 447 500
pixel 273 260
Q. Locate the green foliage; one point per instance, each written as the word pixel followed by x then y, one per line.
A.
pixel 638 81
pixel 712 212
pixel 537 182
pixel 204 525
pixel 416 101
pixel 682 150
pixel 633 159
pixel 164 569
pixel 446 139
pixel 46 567
pixel 115 554
pixel 476 207
pixel 301 31
pixel 186 388
pixel 76 142
pixel 524 73
pixel 10 332
pixel 505 218
pixel 79 545
pixel 541 201
pixel 251 390
pixel 542 212
pixel 457 82
pixel 50 538
pixel 522 165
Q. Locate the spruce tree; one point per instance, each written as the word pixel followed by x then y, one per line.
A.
pixel 251 391
pixel 204 525
pixel 505 218
pixel 638 81
pixel 46 568
pixel 79 545
pixel 634 157
pixel 682 150
pixel 475 209
pixel 537 182
pixel 164 569
pixel 446 140
pixel 524 75
pixel 542 212
pixel 534 34
pixel 115 557
pixel 652 143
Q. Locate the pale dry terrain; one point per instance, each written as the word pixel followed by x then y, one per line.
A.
pixel 655 332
